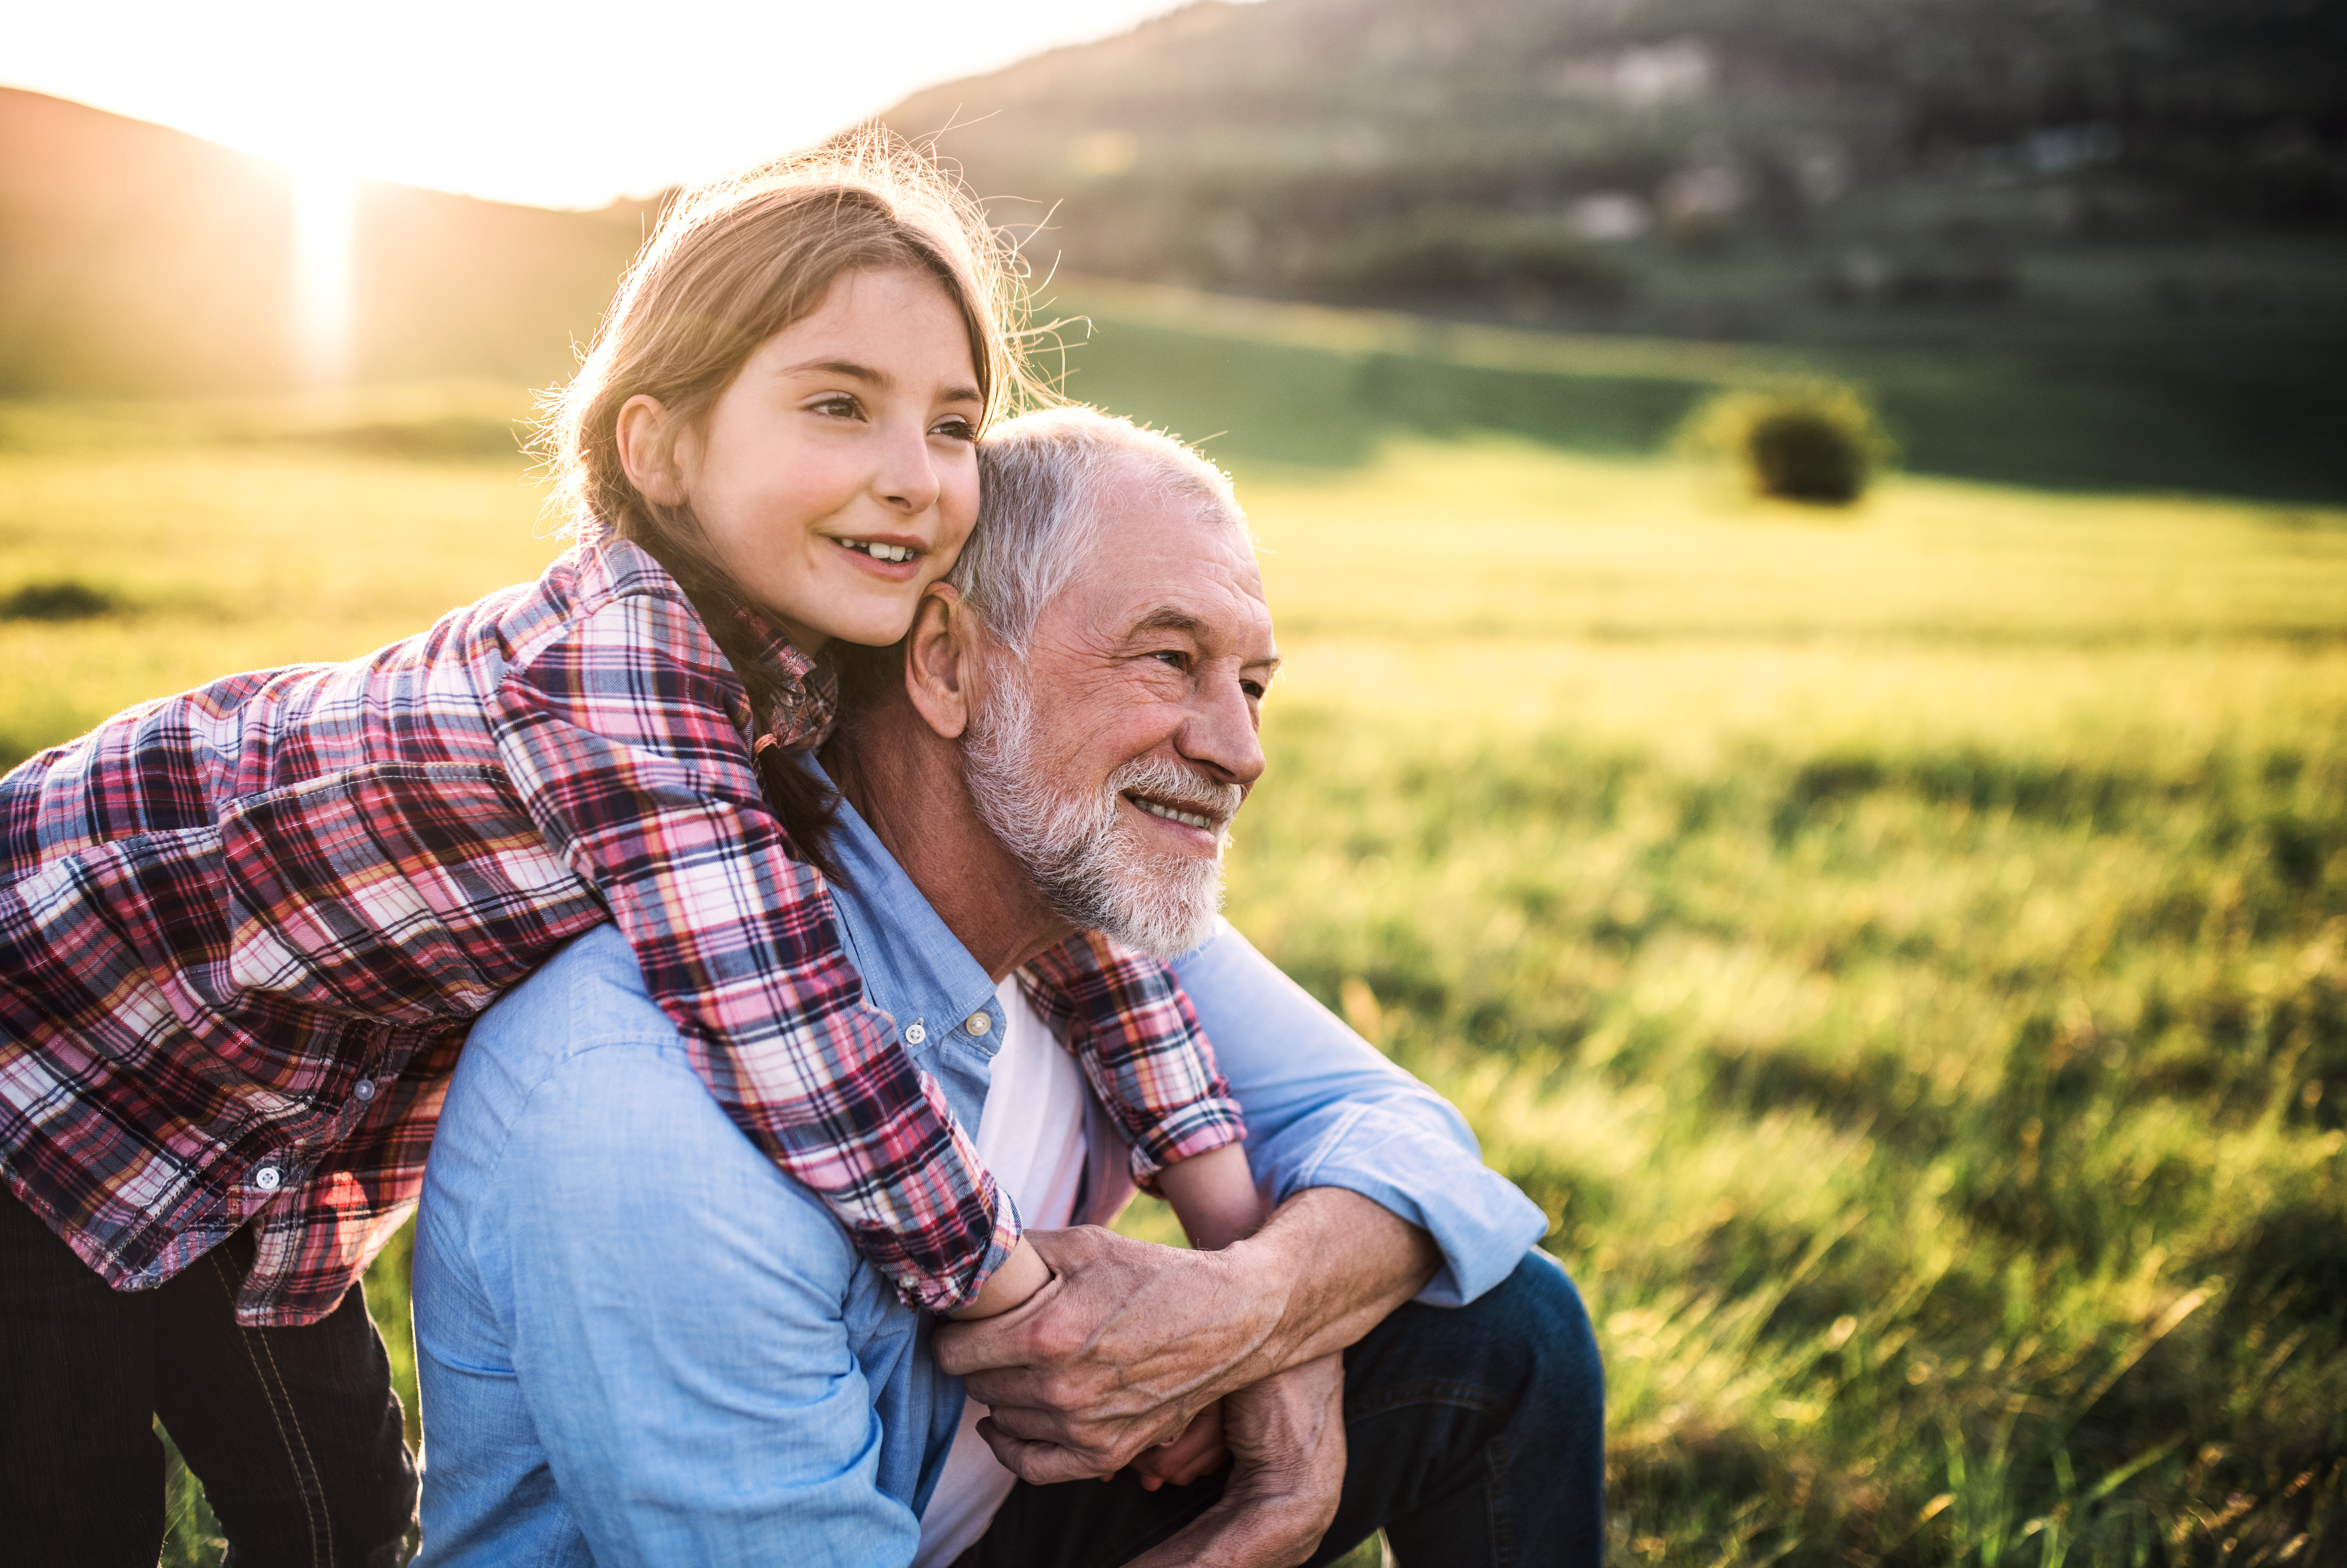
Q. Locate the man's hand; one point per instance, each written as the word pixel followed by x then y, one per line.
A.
pixel 1114 1357
pixel 1286 1436
pixel 1130 1341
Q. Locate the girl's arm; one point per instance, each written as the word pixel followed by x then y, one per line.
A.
pixel 618 731
pixel 1214 1196
pixel 1123 1015
pixel 1022 1274
pixel 1212 1193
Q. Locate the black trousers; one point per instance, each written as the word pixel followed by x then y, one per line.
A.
pixel 1475 1436
pixel 295 1432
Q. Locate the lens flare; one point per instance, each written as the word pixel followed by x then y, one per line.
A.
pixel 322 273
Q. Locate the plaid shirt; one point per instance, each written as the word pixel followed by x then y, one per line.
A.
pixel 244 930
pixel 1132 1031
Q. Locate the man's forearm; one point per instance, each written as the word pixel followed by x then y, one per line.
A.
pixel 1336 1263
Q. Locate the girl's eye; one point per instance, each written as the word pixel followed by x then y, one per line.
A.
pixel 838 405
pixel 957 430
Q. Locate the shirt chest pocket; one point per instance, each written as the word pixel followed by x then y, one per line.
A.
pixel 407 892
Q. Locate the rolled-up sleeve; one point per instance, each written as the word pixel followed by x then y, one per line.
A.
pixel 1324 1109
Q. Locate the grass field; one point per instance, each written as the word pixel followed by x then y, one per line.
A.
pixel 1905 950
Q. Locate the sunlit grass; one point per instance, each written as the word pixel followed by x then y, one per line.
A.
pixel 1907 955
pixel 1905 951
pixel 225 559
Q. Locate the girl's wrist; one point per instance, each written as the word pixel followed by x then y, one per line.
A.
pixel 1010 1287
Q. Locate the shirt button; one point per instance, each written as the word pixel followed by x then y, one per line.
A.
pixel 362 1091
pixel 914 1035
pixel 267 1179
pixel 978 1023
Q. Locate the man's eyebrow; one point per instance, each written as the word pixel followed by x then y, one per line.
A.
pixel 871 377
pixel 1173 618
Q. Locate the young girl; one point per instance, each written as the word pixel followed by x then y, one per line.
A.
pixel 244 930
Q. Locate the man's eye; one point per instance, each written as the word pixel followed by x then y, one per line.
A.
pixel 1174 657
pixel 1254 688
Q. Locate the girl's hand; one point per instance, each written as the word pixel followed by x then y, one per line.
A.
pixel 1198 1451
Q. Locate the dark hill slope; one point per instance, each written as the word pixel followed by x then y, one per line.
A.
pixel 1673 158
pixel 138 260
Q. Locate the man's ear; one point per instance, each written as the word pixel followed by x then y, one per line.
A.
pixel 937 660
pixel 648 450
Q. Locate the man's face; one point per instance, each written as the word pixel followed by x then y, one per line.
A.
pixel 1112 765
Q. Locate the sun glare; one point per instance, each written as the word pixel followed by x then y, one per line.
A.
pixel 322 273
pixel 381 91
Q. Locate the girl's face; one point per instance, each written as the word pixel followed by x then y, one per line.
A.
pixel 837 476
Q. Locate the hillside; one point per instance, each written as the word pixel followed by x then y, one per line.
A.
pixel 138 260
pixel 2097 243
pixel 1690 165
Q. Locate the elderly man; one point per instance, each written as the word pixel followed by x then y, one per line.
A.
pixel 641 1342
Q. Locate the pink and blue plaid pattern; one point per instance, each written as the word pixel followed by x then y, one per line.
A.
pixel 1138 1040
pixel 245 929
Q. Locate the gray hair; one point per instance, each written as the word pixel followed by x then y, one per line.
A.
pixel 1047 482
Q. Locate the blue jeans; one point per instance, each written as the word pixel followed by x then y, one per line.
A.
pixel 1476 1435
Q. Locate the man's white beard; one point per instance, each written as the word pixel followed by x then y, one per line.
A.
pixel 1078 847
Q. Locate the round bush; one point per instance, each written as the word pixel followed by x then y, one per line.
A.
pixel 65 600
pixel 1813 442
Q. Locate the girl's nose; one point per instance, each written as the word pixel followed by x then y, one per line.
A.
pixel 908 480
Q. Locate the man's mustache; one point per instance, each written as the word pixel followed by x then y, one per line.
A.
pixel 1170 784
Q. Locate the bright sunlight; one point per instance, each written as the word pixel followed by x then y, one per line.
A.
pixel 322 273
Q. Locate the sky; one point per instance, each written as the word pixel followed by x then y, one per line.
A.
pixel 564 104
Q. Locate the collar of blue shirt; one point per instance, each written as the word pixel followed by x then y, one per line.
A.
pixel 915 968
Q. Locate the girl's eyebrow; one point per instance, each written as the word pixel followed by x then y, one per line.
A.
pixel 871 377
pixel 846 367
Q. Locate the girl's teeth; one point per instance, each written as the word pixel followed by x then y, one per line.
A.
pixel 880 551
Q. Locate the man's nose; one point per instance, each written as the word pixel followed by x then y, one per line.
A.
pixel 1220 733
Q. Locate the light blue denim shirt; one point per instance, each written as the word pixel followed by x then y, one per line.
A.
pixel 641 1342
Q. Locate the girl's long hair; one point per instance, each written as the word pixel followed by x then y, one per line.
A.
pixel 731 264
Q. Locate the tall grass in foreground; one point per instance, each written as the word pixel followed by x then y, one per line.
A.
pixel 1906 954
pixel 1908 958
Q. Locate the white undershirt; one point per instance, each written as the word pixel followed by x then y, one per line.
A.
pixel 1032 1136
